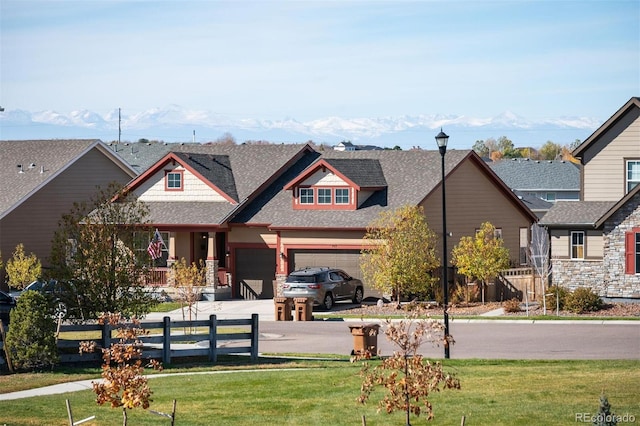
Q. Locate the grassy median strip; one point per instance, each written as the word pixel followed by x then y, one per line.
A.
pixel 493 393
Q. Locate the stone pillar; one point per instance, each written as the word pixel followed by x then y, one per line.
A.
pixel 280 279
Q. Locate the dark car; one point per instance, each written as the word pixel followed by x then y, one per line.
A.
pixel 7 303
pixel 57 292
pixel 325 285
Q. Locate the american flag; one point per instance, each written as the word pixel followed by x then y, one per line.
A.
pixel 155 246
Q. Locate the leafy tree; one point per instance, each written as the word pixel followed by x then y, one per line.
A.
pixel 399 252
pixel 482 256
pixel 124 384
pixel 550 151
pixel 505 145
pixel 23 269
pixel 99 249
pixel 406 376
pixel 480 148
pixel 31 338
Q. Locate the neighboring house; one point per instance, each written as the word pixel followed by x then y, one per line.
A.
pixel 348 146
pixel 548 180
pixel 596 242
pixel 254 213
pixel 42 179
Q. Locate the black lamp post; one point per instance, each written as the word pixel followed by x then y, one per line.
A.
pixel 442 140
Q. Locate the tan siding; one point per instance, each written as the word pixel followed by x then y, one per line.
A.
pixel 322 238
pixel 325 178
pixel 559 243
pixel 594 245
pixel 604 168
pixel 34 222
pixel 472 199
pixel 252 235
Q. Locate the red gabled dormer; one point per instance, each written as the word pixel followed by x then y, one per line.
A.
pixel 336 184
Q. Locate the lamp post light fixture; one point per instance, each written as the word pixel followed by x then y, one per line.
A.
pixel 442 140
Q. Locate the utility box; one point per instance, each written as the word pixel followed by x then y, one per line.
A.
pixel 283 308
pixel 304 308
pixel 365 339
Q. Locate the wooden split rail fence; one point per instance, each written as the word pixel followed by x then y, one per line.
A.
pixel 172 341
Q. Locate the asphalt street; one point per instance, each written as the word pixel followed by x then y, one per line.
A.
pixel 492 339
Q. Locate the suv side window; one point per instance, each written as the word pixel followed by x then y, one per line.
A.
pixel 334 276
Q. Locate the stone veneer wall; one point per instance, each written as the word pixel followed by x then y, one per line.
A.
pixel 624 220
pixel 280 279
pixel 606 277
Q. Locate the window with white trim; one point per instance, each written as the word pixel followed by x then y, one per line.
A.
pixel 633 174
pixel 577 244
pixel 342 195
pixel 324 195
pixel 306 196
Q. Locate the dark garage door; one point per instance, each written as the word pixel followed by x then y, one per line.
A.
pixel 347 260
pixel 255 272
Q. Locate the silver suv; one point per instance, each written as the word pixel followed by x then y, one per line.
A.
pixel 325 285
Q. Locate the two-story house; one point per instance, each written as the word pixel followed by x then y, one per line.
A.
pixel 254 213
pixel 596 242
pixel 42 179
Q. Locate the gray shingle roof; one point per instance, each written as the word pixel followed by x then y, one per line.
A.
pixel 244 167
pixel 576 213
pixel 410 177
pixel 363 172
pixel 533 175
pixel 215 168
pixel 48 157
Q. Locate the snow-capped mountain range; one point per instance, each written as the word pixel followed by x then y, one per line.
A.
pixel 177 124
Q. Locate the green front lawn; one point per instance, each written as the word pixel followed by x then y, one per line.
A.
pixel 493 393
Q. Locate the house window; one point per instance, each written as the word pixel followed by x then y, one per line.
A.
pixel 551 197
pixel 577 245
pixel 324 196
pixel 633 174
pixel 174 181
pixel 306 196
pixel 497 233
pixel 342 196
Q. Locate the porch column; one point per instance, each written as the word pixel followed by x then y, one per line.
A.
pixel 212 261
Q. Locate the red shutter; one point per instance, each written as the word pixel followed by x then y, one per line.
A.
pixel 630 252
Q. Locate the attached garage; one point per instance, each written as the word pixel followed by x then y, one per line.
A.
pixel 347 260
pixel 255 273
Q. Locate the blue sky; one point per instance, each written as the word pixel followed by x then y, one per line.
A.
pixel 314 59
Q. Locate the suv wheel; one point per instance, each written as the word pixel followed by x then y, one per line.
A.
pixel 358 296
pixel 327 303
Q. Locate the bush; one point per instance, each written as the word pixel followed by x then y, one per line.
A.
pixel 583 300
pixel 562 295
pixel 31 336
pixel 512 305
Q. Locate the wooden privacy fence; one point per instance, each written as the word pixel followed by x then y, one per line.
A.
pixel 171 342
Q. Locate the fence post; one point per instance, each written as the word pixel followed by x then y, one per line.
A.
pixel 213 338
pixel 166 340
pixel 254 337
pixel 106 335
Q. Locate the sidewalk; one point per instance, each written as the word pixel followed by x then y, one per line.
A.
pixel 226 309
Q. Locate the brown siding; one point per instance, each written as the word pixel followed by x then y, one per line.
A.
pixel 472 198
pixel 604 162
pixel 34 222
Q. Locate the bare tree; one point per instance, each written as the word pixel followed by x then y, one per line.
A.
pixel 540 259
